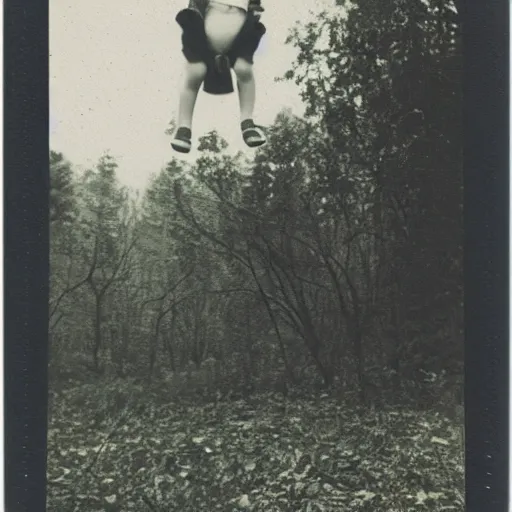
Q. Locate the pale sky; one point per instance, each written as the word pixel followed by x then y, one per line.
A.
pixel 115 72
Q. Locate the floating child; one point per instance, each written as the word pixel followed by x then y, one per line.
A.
pixel 219 35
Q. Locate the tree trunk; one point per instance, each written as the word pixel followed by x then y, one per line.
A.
pixel 357 340
pixel 313 345
pixel 397 344
pixel 125 343
pixel 169 340
pixel 325 373
pixel 97 332
pixel 248 356
pixel 287 369
pixel 153 346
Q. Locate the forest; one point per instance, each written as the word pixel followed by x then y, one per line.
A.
pixel 309 294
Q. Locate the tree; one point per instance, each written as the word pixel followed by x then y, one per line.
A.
pixel 63 213
pixel 107 226
pixel 387 92
pixel 62 193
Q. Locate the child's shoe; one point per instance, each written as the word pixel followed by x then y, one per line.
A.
pixel 253 135
pixel 182 141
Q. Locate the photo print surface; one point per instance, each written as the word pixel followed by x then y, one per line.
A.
pixel 256 289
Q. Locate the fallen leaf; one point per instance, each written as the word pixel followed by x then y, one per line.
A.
pixel 251 466
pixel 365 495
pixel 421 496
pixel 244 501
pixel 111 499
pixel 438 440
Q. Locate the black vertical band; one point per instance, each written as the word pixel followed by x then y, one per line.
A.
pixel 25 251
pixel 486 35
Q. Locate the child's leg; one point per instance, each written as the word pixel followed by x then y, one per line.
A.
pixel 253 135
pixel 194 76
pixel 246 88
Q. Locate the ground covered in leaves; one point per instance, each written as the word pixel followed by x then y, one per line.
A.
pixel 114 448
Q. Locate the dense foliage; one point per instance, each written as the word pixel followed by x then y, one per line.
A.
pixel 330 262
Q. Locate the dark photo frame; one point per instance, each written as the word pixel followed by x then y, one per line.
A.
pixel 486 273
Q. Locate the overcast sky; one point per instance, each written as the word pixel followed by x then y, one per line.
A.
pixel 115 71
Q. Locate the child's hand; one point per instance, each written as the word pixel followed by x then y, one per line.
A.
pixel 255 6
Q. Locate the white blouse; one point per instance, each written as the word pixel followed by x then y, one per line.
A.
pixel 242 4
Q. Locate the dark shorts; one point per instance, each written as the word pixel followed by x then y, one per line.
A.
pixel 197 49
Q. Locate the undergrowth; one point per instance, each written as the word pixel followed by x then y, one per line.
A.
pixel 120 446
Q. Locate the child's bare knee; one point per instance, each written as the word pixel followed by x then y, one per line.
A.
pixel 195 74
pixel 243 70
